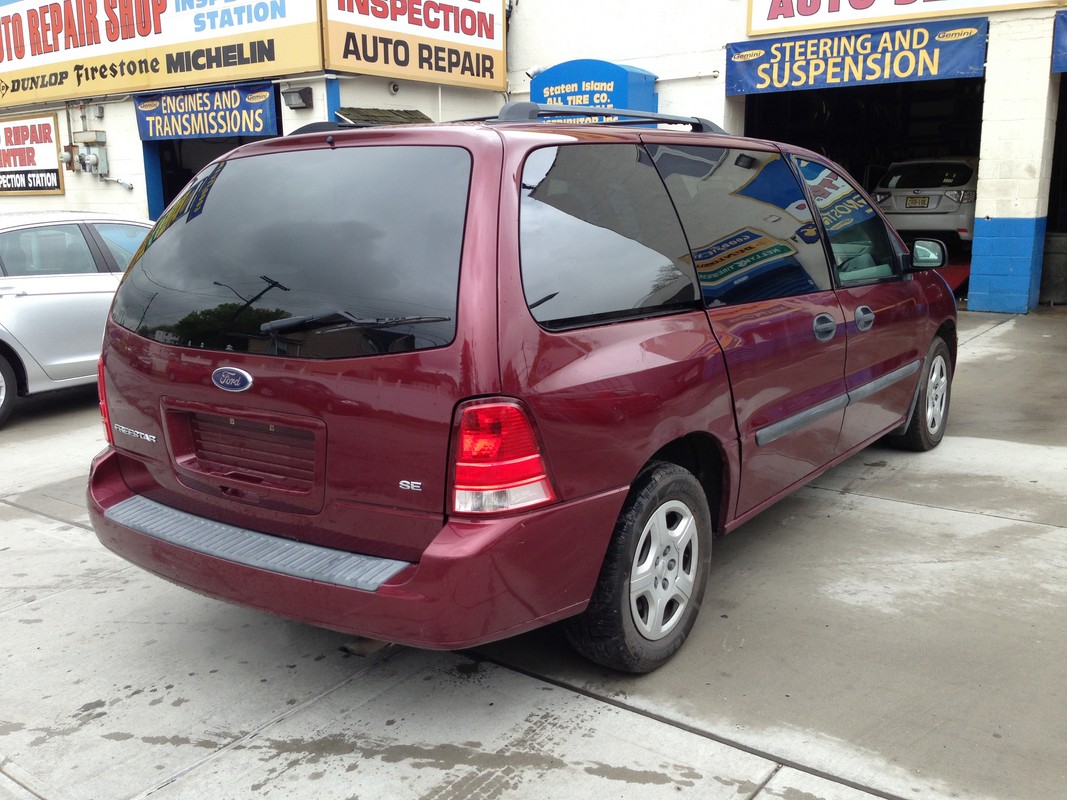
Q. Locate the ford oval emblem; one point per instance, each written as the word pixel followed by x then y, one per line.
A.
pixel 231 379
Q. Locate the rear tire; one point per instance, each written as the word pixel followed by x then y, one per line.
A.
pixel 652 581
pixel 9 389
pixel 927 425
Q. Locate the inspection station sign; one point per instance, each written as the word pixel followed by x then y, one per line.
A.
pixel 454 42
pixel 936 50
pixel 29 156
pixel 782 16
pixel 82 48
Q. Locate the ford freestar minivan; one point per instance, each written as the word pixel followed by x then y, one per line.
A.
pixel 443 384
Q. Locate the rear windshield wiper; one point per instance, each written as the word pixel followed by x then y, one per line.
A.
pixel 341 318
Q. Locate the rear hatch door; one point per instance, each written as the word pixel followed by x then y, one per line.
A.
pixel 292 333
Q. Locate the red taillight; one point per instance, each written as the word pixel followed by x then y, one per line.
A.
pixel 498 465
pixel 102 392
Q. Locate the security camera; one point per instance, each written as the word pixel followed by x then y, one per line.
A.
pixel 394 88
pixel 534 71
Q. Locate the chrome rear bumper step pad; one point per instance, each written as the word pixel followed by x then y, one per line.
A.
pixel 254 549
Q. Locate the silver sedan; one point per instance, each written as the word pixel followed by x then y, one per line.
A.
pixel 58 273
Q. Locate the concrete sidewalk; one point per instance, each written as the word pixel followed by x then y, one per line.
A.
pixel 895 630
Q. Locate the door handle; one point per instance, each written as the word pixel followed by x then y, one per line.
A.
pixel 864 318
pixel 825 326
pixel 10 291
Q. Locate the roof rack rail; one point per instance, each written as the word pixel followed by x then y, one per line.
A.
pixel 522 111
pixel 329 125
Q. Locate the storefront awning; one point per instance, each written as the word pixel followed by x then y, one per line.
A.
pixel 380 116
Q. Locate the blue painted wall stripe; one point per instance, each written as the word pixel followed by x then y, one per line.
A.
pixel 333 97
pixel 1006 264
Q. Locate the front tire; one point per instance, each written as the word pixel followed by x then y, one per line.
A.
pixel 927 425
pixel 652 581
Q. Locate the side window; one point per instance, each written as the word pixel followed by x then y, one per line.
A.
pixel 599 238
pixel 859 242
pixel 749 226
pixel 121 239
pixel 46 250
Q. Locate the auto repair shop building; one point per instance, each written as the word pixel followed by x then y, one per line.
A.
pixel 113 105
pixel 142 93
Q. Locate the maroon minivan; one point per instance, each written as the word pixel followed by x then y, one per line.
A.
pixel 443 384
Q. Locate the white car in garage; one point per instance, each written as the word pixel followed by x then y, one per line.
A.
pixel 931 196
pixel 58 273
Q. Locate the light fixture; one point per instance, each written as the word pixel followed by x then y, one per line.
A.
pixel 297 97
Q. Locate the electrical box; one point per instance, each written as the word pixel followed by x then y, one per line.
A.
pixel 90 137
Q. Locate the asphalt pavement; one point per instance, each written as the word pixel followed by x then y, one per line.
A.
pixel 897 629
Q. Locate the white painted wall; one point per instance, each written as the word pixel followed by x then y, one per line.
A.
pixel 682 42
pixel 1019 116
pixel 85 191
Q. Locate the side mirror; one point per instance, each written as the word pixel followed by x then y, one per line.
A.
pixel 928 254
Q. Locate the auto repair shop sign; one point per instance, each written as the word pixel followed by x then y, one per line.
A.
pixel 63 50
pixel 455 42
pixel 947 49
pixel 29 156
pixel 782 16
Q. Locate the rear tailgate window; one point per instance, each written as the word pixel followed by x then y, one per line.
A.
pixel 932 175
pixel 335 253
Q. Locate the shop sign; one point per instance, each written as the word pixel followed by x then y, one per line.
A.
pixel 597 84
pixel 453 42
pixel 246 110
pixel 936 50
pixel 782 16
pixel 53 51
pixel 1059 43
pixel 29 156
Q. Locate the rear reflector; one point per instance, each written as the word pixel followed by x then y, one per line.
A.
pixel 498 463
pixel 101 391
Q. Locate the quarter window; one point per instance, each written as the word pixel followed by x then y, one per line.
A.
pixel 749 226
pixel 599 238
pixel 122 240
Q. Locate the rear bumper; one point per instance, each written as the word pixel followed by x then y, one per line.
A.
pixel 958 222
pixel 478 581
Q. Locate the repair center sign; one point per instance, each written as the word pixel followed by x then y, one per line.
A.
pixel 29 156
pixel 455 42
pixel 64 50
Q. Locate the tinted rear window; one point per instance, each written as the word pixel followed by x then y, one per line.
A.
pixel 928 176
pixel 330 253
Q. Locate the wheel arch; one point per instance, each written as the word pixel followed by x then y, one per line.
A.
pixel 949 333
pixel 21 385
pixel 703 456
